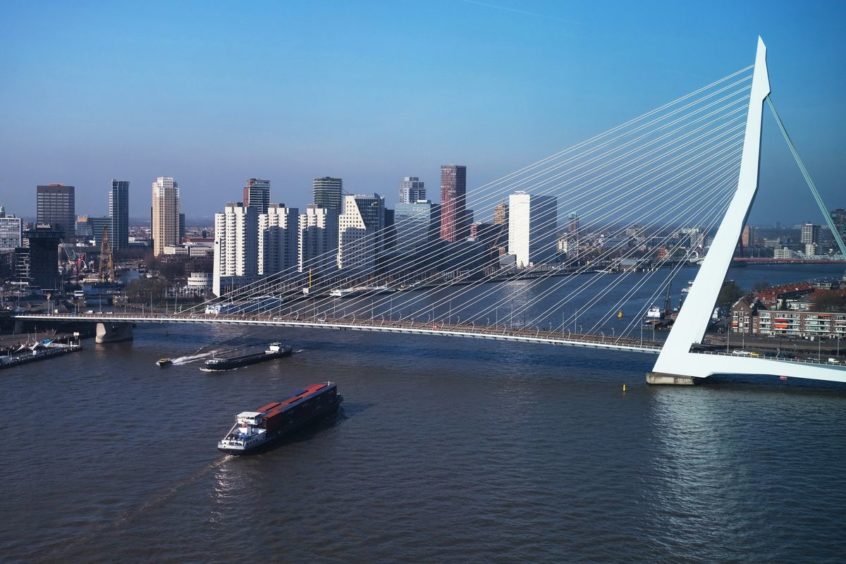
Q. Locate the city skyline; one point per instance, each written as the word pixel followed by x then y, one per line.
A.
pixel 287 132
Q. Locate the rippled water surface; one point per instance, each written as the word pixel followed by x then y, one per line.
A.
pixel 447 450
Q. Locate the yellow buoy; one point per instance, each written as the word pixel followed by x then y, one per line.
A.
pixel 620 314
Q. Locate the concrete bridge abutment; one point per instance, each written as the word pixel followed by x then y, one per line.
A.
pixel 663 379
pixel 113 332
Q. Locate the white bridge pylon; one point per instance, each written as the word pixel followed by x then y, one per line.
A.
pixel 677 364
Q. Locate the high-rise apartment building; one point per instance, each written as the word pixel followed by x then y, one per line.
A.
pixel 412 189
pixel 810 234
pixel 313 244
pixel 327 193
pixel 360 232
pixel 56 206
pixel 257 194
pixel 500 216
pixel 277 243
pixel 235 245
pixel 454 224
pixel 838 217
pixel 165 214
pixel 10 231
pixel 747 236
pixel 119 214
pixel 532 227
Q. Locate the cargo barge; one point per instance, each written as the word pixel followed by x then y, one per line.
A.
pixel 274 350
pixel 256 430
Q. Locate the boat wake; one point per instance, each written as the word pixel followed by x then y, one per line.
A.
pixel 192 358
pixel 128 516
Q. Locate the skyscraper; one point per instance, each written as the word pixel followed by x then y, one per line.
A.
pixel 360 231
pixel 56 205
pixel 278 234
pixel 414 222
pixel 119 214
pixel 165 214
pixel 327 193
pixel 532 226
pixel 235 244
pixel 454 225
pixel 412 189
pixel 257 194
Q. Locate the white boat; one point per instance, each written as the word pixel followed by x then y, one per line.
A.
pixel 654 313
pixel 359 291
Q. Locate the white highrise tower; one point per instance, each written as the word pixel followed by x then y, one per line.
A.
pixel 277 242
pixel 165 214
pixel 235 246
pixel 532 224
pixel 313 238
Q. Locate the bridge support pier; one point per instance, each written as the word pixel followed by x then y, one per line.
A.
pixel 663 379
pixel 113 332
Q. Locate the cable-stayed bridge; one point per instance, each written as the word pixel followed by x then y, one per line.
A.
pixel 641 200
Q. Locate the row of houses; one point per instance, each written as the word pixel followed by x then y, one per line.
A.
pixel 786 311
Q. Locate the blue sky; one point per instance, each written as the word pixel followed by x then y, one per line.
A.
pixel 212 93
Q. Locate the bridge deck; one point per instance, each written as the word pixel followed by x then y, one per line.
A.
pixel 500 333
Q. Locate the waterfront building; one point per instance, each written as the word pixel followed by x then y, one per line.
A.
pixel 10 231
pixel 360 231
pixel 119 214
pixel 414 226
pixel 199 283
pixel 810 234
pixel 165 214
pixel 257 194
pixel 313 244
pixel 278 234
pixel 20 266
pixel 56 206
pixel 235 246
pixel 412 189
pixel 454 225
pixel 43 244
pixel 531 228
pixel 91 228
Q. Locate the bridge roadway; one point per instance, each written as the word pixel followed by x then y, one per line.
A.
pixel 437 328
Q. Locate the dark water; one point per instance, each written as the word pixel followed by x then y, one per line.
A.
pixel 447 450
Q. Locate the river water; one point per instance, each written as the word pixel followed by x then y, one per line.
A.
pixel 446 450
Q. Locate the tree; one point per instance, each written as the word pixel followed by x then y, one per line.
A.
pixel 729 293
pixel 829 300
pixel 142 290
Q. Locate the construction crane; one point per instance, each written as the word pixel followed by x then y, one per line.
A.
pixel 107 263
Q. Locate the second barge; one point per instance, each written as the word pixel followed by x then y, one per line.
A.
pixel 274 350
